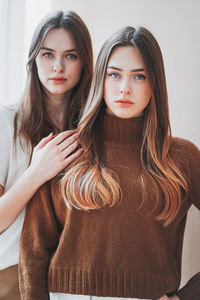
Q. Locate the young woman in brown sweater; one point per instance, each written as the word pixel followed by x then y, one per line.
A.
pixel 112 225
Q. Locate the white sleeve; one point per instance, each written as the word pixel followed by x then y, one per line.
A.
pixel 6 141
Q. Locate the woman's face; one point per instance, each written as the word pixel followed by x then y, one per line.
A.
pixel 58 63
pixel 126 88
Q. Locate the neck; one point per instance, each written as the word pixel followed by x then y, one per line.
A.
pixel 56 109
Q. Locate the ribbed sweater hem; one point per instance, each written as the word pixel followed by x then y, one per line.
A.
pixel 63 280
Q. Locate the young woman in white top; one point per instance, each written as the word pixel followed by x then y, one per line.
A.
pixel 60 65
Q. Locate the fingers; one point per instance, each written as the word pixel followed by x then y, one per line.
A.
pixel 68 153
pixel 164 297
pixel 62 140
pixel 44 141
pixel 62 149
pixel 72 157
pixel 69 149
pixel 65 135
pixel 67 145
pixel 72 140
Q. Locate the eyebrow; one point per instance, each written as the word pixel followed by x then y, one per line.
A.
pixel 118 69
pixel 49 49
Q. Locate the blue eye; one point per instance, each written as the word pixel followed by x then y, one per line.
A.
pixel 47 54
pixel 71 56
pixel 140 77
pixel 114 75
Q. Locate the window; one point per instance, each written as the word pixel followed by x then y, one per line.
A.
pixel 18 20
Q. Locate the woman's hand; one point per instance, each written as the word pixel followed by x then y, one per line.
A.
pixel 52 155
pixel 165 297
pixel 49 157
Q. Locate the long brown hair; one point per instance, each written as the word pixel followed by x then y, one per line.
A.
pixel 88 184
pixel 34 120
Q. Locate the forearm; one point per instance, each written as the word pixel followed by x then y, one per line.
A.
pixel 35 295
pixel 29 288
pixel 14 200
pixel 39 240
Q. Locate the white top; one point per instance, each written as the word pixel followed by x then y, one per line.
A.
pixel 12 165
pixel 61 296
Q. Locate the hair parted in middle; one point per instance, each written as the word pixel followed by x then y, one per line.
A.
pixel 87 183
pixel 35 122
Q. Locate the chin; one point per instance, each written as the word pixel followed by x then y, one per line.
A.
pixel 124 115
pixel 58 92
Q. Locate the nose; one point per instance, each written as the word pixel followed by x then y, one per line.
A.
pixel 124 91
pixel 58 66
pixel 125 88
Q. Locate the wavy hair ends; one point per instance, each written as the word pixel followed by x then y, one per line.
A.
pixel 89 186
pixel 158 166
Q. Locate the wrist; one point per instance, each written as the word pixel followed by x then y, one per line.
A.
pixel 31 179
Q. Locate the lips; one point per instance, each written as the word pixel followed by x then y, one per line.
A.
pixel 124 101
pixel 58 80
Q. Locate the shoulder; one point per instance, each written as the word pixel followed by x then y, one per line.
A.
pixel 183 146
pixel 185 153
pixel 7 113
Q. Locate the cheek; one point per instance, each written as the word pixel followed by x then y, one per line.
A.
pixel 146 98
pixel 105 92
pixel 38 70
pixel 109 91
pixel 41 68
pixel 146 93
pixel 75 71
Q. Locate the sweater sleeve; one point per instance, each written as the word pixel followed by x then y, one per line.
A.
pixel 191 291
pixel 194 164
pixel 38 241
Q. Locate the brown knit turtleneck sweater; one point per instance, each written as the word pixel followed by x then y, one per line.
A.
pixel 118 252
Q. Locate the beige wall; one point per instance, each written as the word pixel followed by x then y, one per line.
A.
pixel 176 25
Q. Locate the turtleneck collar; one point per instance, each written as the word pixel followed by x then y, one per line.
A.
pixel 123 131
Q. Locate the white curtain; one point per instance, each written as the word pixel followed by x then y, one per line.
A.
pixel 12 16
pixel 18 20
